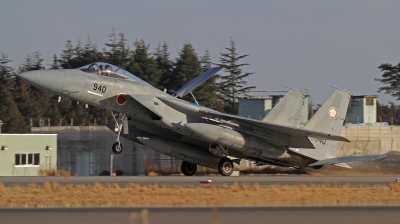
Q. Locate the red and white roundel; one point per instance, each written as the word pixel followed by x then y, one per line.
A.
pixel 121 99
pixel 333 112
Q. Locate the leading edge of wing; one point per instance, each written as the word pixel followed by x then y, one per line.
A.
pixel 199 111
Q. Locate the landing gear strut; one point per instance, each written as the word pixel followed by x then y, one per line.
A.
pixel 119 119
pixel 225 167
pixel 188 169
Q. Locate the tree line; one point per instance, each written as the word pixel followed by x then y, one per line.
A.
pixel 23 105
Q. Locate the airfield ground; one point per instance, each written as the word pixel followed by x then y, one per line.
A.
pixel 368 184
pixel 110 195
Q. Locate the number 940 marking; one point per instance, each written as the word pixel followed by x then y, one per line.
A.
pixel 99 88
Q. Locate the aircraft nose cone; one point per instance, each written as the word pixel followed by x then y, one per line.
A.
pixel 49 80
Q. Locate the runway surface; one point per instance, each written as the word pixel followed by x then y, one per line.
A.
pixel 194 180
pixel 201 215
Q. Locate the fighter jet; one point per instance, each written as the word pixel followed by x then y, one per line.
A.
pixel 188 131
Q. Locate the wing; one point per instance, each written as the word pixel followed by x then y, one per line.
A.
pixel 297 137
pixel 190 86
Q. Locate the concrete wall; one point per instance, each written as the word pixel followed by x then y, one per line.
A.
pixel 368 140
pixel 27 146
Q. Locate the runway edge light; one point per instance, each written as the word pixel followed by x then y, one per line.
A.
pixel 205 181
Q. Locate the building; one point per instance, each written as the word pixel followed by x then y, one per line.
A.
pixel 362 109
pixel 26 154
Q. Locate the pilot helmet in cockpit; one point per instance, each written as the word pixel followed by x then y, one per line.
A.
pixel 108 68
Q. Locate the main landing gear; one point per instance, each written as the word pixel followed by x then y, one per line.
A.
pixel 188 169
pixel 225 167
pixel 119 120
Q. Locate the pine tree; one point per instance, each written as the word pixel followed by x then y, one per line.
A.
pixel 208 88
pixel 90 53
pixel 13 121
pixel 187 67
pixel 119 53
pixel 5 70
pixel 67 56
pixel 33 103
pixel 144 65
pixel 164 64
pixel 390 77
pixel 232 86
pixel 54 65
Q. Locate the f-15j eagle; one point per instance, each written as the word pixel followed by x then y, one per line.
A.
pixel 198 135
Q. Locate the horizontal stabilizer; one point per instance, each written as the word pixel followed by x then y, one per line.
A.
pixel 325 136
pixel 190 86
pixel 346 159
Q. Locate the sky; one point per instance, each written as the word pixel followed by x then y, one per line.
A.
pixel 301 44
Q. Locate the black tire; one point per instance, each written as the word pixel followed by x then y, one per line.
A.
pixel 317 167
pixel 225 167
pixel 188 169
pixel 117 148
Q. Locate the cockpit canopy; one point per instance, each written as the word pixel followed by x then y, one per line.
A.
pixel 106 69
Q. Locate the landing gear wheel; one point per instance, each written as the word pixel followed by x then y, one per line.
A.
pixel 225 167
pixel 188 169
pixel 317 167
pixel 117 148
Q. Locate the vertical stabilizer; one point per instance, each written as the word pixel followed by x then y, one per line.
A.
pixel 329 118
pixel 287 110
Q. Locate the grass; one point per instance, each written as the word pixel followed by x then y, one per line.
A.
pixel 106 195
pixel 54 172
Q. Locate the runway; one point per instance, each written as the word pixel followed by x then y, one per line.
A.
pixel 201 215
pixel 194 180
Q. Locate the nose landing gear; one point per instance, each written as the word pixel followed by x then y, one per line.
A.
pixel 119 120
